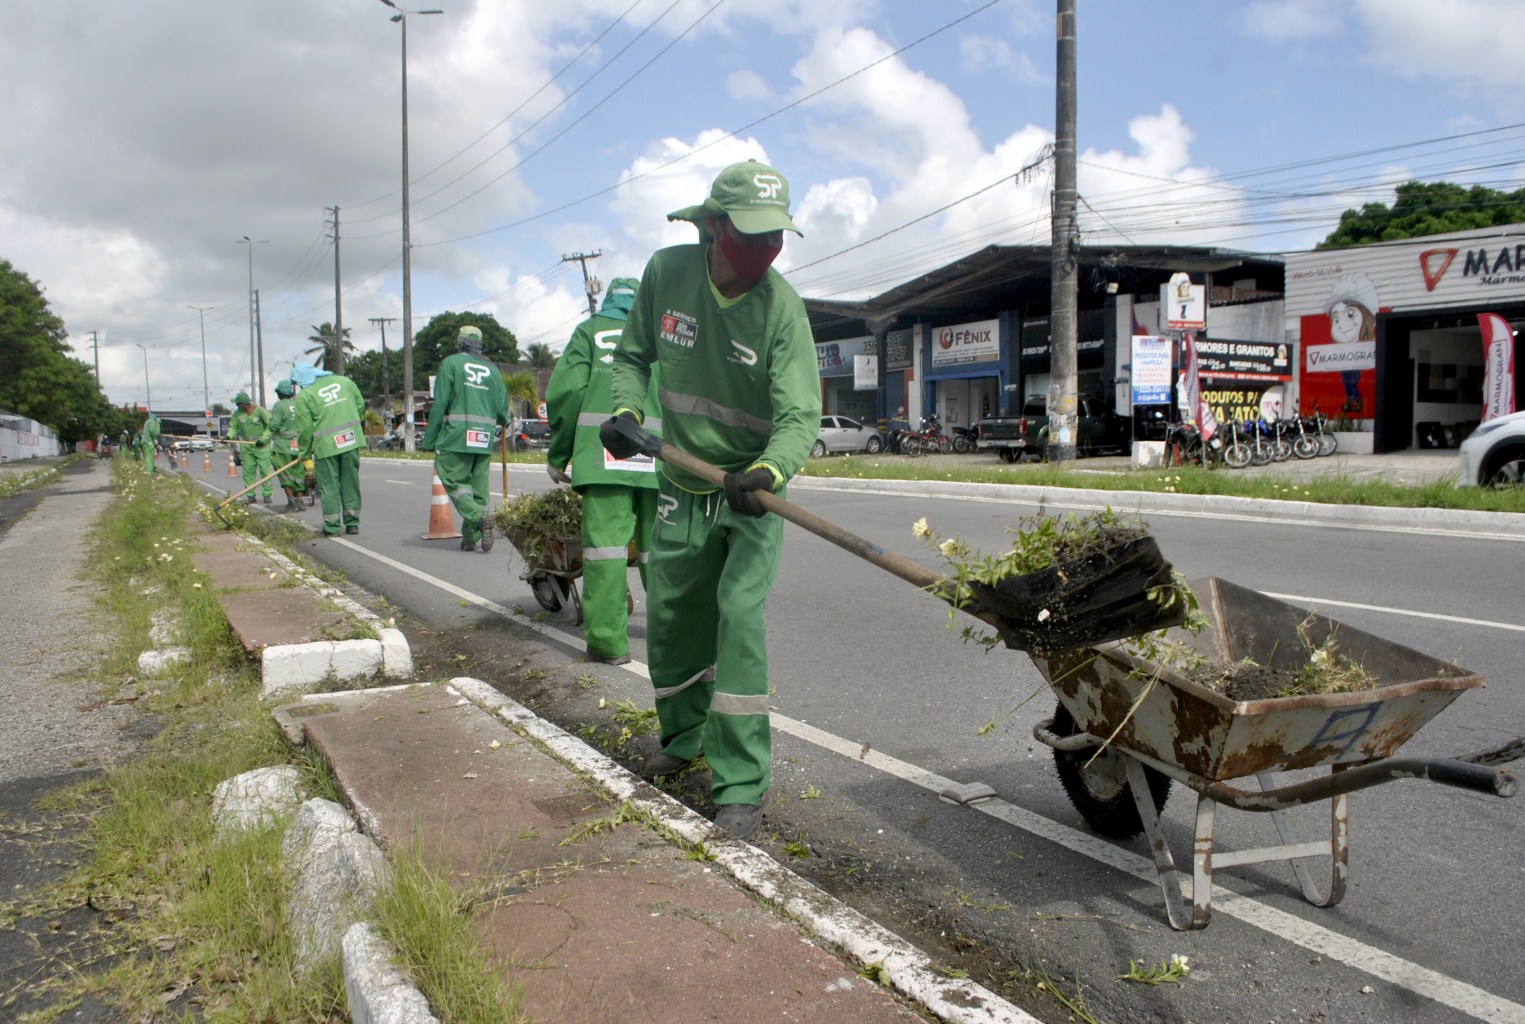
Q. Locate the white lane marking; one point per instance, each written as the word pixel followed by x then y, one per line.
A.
pixel 404 483
pixel 1400 973
pixel 1315 602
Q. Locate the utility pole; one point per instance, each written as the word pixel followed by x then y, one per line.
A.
pixel 1064 252
pixel 386 382
pixel 259 335
pixel 206 389
pixel 591 284
pixel 338 366
pixel 96 345
pixel 254 358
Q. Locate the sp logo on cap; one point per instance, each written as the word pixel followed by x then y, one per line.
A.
pixel 768 185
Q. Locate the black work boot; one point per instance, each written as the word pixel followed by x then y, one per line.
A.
pixel 487 534
pixel 741 820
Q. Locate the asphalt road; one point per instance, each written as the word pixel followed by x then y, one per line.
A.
pixel 879 704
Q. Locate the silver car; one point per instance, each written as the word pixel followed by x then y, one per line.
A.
pixel 1493 455
pixel 845 434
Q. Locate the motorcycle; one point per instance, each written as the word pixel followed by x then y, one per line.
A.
pixel 964 438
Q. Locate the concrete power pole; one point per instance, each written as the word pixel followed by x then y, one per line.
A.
pixel 259 338
pixel 386 381
pixel 591 284
pixel 338 366
pixel 95 343
pixel 1063 383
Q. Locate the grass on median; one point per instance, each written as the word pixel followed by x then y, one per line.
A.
pixel 181 922
pixel 1331 490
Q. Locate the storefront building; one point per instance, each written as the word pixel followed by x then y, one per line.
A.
pixel 971 340
pixel 1389 335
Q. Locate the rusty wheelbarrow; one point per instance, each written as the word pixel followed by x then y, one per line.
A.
pixel 1127 727
pixel 552 567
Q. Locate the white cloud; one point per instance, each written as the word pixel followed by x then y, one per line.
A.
pixel 747 86
pixel 982 53
pixel 1292 19
pixel 1463 42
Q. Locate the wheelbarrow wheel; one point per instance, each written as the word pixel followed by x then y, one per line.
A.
pixel 1099 790
pixel 550 590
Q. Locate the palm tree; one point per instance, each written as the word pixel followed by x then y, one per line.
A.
pixel 323 346
pixel 540 357
pixel 522 386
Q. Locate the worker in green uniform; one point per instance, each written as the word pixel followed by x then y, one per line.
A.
pixel 619 496
pixel 470 400
pixel 284 446
pixel 329 411
pixel 148 441
pixel 740 389
pixel 251 423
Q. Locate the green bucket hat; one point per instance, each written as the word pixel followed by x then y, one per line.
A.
pixel 752 194
pixel 283 388
pixel 242 398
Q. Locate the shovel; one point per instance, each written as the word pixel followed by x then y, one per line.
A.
pixel 217 509
pixel 1105 597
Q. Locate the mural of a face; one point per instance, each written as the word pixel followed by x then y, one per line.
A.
pixel 1345 321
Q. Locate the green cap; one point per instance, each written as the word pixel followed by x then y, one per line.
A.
pixel 752 194
pixel 242 398
pixel 283 388
pixel 470 332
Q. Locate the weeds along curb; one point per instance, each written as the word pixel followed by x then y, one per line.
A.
pixel 898 964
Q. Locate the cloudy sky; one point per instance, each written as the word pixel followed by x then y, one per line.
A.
pixel 144 141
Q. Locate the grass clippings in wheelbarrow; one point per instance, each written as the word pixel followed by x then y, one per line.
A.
pixel 1326 670
pixel 531 518
pixel 1065 582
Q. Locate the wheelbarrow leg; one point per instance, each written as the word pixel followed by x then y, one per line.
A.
pixel 1182 918
pixel 1338 852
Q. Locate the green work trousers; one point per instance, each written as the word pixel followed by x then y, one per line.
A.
pixel 709 577
pixel 282 451
pixel 612 516
pixel 146 455
pixel 256 465
pixel 464 477
pixel 339 488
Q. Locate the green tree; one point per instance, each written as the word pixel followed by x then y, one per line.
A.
pixel 437 340
pixel 540 357
pixel 323 347
pixel 523 389
pixel 1427 208
pixel 39 379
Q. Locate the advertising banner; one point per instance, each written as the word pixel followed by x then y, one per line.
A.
pixel 1498 366
pixel 1194 407
pixel 865 373
pixel 977 342
pixel 1151 370
pixel 1226 360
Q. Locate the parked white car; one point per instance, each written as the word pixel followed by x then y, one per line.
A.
pixel 845 434
pixel 1493 455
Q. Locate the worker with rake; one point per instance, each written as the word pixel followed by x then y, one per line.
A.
pixel 251 423
pixel 739 388
pixel 470 400
pixel 283 433
pixel 329 411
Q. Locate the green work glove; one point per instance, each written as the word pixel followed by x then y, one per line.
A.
pixel 740 490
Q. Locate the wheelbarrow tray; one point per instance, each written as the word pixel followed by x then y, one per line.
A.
pixel 543 552
pixel 1214 737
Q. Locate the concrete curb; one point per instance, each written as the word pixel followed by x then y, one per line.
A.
pixel 291 668
pixel 906 969
pixel 1493 525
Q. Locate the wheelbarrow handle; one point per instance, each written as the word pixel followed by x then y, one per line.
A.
pixel 1447 772
pixel 852 543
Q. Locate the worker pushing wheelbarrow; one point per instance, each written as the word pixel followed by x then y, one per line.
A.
pixel 545 528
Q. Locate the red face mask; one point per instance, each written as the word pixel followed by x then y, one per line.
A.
pixel 750 262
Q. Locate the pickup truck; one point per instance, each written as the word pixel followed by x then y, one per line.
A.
pixel 1011 437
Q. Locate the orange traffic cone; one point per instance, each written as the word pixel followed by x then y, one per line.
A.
pixel 441 522
pixel 231 471
pixel 206 462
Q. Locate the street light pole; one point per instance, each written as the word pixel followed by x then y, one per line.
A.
pixel 253 355
pixel 206 390
pixel 147 390
pixel 401 18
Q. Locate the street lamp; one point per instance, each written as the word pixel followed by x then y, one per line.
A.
pixel 401 18
pixel 256 357
pixel 146 388
pixel 206 390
